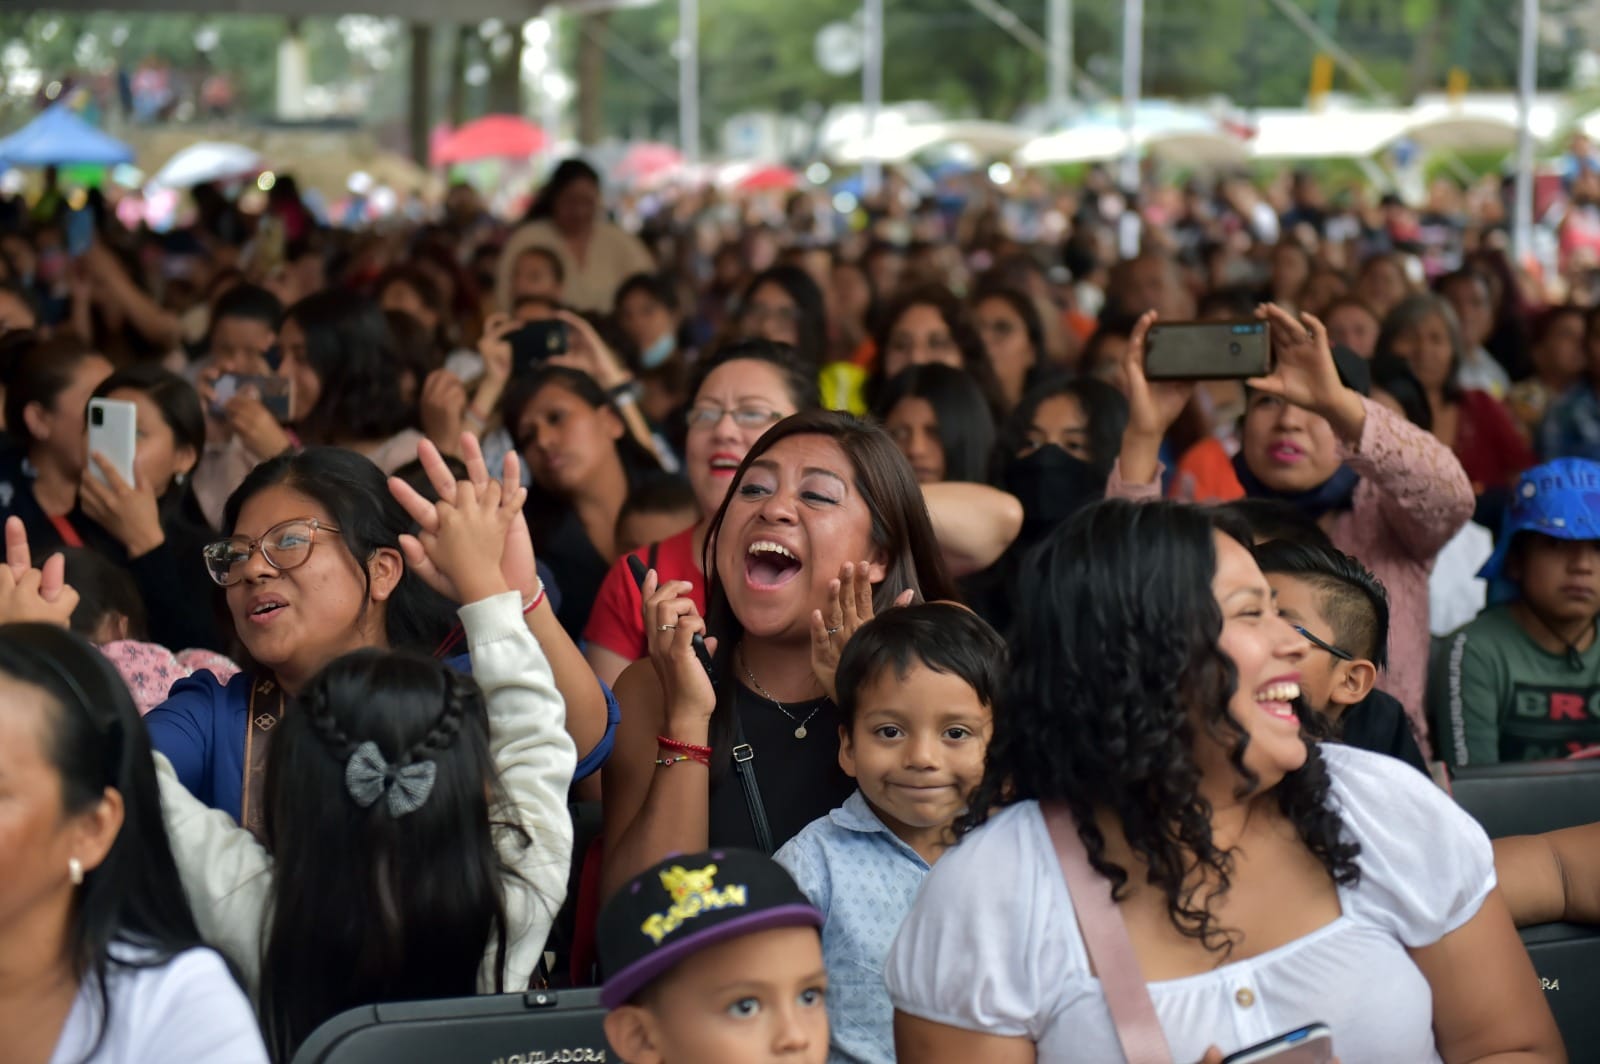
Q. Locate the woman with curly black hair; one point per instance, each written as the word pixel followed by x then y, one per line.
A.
pixel 1265 882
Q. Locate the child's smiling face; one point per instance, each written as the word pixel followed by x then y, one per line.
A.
pixel 916 750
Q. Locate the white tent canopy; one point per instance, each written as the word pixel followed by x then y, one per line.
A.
pixel 1290 135
pixel 901 141
pixel 1099 143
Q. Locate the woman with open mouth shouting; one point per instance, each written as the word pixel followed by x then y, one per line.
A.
pixel 822 507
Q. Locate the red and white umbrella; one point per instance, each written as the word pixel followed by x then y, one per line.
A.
pixel 648 163
pixel 768 179
pixel 490 137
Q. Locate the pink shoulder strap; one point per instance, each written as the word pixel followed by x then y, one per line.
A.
pixel 1110 949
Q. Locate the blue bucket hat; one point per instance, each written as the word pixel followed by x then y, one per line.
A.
pixel 1560 499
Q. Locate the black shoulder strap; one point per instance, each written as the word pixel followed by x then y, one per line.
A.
pixel 744 763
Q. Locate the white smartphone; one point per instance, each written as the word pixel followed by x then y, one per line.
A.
pixel 114 433
pixel 1311 1044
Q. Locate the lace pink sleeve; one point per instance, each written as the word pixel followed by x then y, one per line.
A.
pixel 1425 494
pixel 1117 488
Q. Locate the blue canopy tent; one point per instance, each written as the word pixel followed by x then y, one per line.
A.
pixel 59 137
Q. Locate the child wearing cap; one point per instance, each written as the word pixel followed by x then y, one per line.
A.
pixel 1522 681
pixel 915 689
pixel 713 958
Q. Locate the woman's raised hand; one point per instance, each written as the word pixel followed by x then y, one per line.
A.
pixel 130 512
pixel 849 607
pixel 29 594
pixel 671 622
pixel 511 557
pixel 590 354
pixel 1305 373
pixel 1153 406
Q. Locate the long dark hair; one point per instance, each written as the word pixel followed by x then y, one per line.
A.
pixel 349 347
pixel 974 358
pixel 356 496
pixel 966 425
pixel 1104 406
pixel 368 906
pixel 567 173
pixel 95 740
pixel 180 408
pixel 1116 674
pixel 40 374
pixel 901 529
pixel 546 508
pixel 811 326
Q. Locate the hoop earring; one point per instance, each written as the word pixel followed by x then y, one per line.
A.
pixel 75 871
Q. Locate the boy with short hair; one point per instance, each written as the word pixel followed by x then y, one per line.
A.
pixel 916 689
pixel 713 958
pixel 1342 611
pixel 537 274
pixel 1522 681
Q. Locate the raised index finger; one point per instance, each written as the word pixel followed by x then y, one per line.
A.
pixel 439 475
pixel 18 556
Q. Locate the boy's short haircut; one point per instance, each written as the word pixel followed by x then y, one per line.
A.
pixel 1352 600
pixel 943 636
pixel 250 303
pixel 558 271
pixel 659 493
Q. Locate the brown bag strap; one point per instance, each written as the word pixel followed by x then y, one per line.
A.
pixel 266 710
pixel 1110 949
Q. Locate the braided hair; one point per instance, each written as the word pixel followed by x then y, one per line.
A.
pixel 367 905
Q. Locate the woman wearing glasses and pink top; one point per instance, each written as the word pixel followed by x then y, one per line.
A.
pixel 320 563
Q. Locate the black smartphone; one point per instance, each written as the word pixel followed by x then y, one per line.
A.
pixel 640 570
pixel 1207 351
pixel 535 342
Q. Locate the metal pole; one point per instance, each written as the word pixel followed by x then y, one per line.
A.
pixel 1527 76
pixel 689 80
pixel 549 106
pixel 872 94
pixel 1059 31
pixel 1132 79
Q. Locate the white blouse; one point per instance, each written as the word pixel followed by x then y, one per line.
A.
pixel 1012 962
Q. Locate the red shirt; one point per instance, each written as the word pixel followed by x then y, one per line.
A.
pixel 615 622
pixel 1491 449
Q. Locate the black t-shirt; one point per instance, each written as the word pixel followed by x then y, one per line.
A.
pixel 1378 723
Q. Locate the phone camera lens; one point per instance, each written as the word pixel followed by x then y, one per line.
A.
pixel 1234 348
pixel 97 416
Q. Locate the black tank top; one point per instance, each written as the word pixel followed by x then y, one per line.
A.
pixel 800 779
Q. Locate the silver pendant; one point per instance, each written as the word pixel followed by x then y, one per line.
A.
pixel 800 732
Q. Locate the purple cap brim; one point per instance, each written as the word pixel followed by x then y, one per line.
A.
pixel 624 984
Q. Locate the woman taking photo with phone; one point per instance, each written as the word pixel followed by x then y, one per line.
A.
pixel 1264 882
pixel 817 491
pixel 1385 491
pixel 100 958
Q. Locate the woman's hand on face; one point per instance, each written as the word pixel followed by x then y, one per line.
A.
pixel 671 622
pixel 29 594
pixel 470 536
pixel 255 426
pixel 443 406
pixel 1153 406
pixel 130 512
pixel 518 566
pixel 589 354
pixel 849 607
pixel 1306 374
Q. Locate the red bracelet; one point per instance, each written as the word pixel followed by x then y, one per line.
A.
pixel 691 749
pixel 533 603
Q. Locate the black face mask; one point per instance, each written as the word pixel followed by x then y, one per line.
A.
pixel 1052 485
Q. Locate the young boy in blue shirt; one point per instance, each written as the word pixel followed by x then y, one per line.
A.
pixel 916 689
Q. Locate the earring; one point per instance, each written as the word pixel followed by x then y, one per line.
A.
pixel 75 871
pixel 180 479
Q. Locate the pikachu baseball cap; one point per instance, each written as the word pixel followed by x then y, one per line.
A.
pixel 687 903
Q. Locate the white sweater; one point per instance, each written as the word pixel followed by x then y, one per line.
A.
pixel 227 874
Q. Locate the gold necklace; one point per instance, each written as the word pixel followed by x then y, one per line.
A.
pixel 800 725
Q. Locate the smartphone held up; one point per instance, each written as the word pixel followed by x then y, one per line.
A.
pixel 114 435
pixel 1207 350
pixel 535 343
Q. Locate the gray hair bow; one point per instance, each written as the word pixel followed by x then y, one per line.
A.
pixel 367 776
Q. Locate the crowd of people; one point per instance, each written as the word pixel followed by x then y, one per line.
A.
pixel 823 635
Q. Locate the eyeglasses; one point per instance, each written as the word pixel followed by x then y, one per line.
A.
pixel 1342 655
pixel 286 545
pixel 745 417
